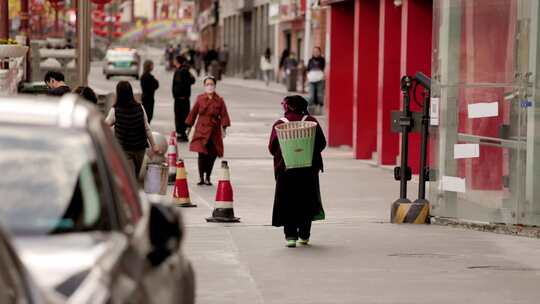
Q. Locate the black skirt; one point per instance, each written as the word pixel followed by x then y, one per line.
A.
pixel 297 198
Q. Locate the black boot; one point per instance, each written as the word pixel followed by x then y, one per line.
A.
pixel 209 168
pixel 201 163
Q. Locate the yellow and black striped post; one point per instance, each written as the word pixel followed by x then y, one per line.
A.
pixel 405 212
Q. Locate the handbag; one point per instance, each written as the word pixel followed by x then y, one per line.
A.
pixel 315 76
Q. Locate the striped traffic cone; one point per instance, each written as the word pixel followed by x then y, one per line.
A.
pixel 171 158
pixel 181 191
pixel 223 210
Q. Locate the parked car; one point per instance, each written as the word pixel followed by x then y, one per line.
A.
pixel 121 62
pixel 16 284
pixel 83 227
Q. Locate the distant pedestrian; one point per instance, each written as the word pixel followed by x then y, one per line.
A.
pixel 315 77
pixel 55 82
pixel 290 66
pixel 284 55
pixel 266 65
pixel 210 62
pixel 87 93
pixel 169 57
pixel 131 126
pixel 198 61
pixel 191 54
pixel 297 200
pixel 223 58
pixel 181 90
pixel 212 118
pixel 149 85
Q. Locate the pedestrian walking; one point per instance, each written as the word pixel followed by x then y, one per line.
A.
pixel 209 56
pixel 169 57
pixel 131 126
pixel 55 82
pixel 149 85
pixel 198 61
pixel 291 68
pixel 212 120
pixel 87 93
pixel 214 68
pixel 181 90
pixel 223 57
pixel 297 200
pixel 284 55
pixel 266 66
pixel 315 76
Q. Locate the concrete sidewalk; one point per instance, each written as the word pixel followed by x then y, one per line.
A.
pixel 355 256
pixel 257 84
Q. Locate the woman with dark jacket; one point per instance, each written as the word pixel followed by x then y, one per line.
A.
pixel 131 127
pixel 297 200
pixel 213 120
pixel 149 85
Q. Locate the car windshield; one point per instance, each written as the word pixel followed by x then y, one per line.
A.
pixel 120 56
pixel 48 181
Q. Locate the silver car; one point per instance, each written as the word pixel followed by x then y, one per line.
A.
pixel 122 62
pixel 16 284
pixel 79 220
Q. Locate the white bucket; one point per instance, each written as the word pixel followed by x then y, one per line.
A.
pixel 155 180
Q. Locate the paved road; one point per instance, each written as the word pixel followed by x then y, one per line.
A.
pixel 355 256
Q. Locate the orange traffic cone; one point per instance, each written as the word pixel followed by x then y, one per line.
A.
pixel 181 191
pixel 171 158
pixel 223 210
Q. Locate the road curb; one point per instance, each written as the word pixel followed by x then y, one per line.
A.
pixel 518 230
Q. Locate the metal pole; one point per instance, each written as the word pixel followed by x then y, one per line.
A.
pixel 24 17
pixel 4 19
pixel 307 33
pixel 406 83
pixel 25 30
pixel 423 152
pixel 83 41
pixel 132 17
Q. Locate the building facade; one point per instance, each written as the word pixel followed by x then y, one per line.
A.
pixel 207 23
pixel 486 141
pixel 246 30
pixel 483 55
pixel 249 27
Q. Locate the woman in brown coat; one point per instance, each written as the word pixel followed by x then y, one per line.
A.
pixel 212 122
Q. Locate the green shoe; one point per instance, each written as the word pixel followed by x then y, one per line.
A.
pixel 303 242
pixel 291 243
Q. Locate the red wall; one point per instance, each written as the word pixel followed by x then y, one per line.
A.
pixel 389 77
pixel 487 44
pixel 416 33
pixel 366 39
pixel 339 93
pixel 373 43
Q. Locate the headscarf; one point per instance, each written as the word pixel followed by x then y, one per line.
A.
pixel 205 78
pixel 296 104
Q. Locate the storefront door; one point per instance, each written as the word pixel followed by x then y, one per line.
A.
pixel 485 143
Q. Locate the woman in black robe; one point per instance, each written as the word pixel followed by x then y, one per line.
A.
pixel 149 85
pixel 297 200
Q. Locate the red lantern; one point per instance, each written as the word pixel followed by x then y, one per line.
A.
pixel 100 2
pixel 57 4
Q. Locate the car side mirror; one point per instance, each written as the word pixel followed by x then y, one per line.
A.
pixel 164 232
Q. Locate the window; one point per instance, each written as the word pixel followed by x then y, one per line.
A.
pixel 50 182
